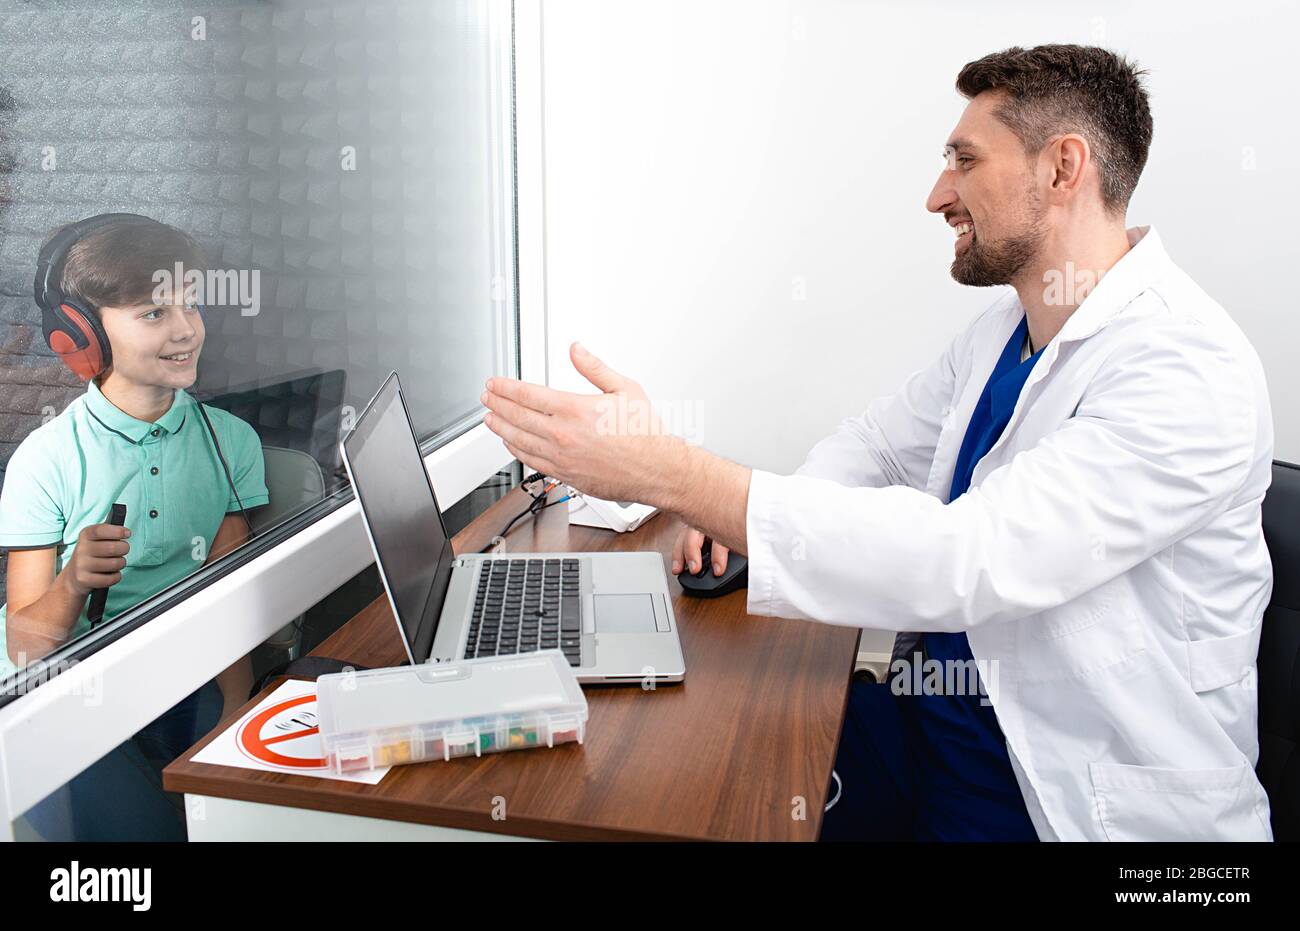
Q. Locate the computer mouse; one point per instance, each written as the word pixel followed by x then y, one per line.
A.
pixel 704 584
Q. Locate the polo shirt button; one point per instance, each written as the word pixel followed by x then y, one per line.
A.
pixel 153 471
pixel 153 512
pixel 154 432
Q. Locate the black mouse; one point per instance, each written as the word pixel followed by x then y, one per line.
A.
pixel 704 584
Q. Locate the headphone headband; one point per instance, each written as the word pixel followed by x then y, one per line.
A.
pixel 53 255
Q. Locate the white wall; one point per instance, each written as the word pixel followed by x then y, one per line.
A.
pixel 703 158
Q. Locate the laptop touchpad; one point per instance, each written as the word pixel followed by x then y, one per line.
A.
pixel 624 614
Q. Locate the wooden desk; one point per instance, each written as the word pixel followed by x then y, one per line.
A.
pixel 725 755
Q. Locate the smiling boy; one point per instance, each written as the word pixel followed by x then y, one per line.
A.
pixel 135 437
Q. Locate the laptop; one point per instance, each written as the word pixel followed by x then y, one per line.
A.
pixel 609 613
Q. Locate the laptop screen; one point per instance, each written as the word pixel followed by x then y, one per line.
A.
pixel 397 500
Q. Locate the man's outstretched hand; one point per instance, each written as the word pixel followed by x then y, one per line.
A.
pixel 610 445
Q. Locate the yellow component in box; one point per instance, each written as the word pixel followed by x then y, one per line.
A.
pixel 392 754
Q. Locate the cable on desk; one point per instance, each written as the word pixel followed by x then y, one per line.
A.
pixel 839 790
pixel 538 504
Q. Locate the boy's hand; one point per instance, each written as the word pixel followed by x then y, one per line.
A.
pixel 98 559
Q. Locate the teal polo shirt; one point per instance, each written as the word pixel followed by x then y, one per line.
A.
pixel 68 473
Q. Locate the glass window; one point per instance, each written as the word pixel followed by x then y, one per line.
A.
pixel 321 192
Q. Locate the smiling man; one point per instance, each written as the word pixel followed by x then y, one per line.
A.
pixel 1067 500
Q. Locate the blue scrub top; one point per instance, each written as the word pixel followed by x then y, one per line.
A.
pixel 967 789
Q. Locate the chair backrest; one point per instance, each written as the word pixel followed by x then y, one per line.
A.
pixel 1279 656
pixel 293 480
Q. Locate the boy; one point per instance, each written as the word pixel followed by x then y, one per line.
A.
pixel 135 437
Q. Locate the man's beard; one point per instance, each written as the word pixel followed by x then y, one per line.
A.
pixel 985 264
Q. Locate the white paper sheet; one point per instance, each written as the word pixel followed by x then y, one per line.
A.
pixel 280 736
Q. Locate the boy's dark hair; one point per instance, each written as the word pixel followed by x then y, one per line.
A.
pixel 1053 89
pixel 114 266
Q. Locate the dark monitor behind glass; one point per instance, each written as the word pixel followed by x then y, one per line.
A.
pixel 401 512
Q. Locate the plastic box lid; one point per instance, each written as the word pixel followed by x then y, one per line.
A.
pixel 448 697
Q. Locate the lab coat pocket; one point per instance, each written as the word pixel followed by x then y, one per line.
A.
pixel 1149 803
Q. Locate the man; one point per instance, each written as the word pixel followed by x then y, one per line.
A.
pixel 1068 499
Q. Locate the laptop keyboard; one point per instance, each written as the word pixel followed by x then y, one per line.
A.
pixel 526 605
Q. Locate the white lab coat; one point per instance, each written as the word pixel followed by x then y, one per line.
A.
pixel 1108 558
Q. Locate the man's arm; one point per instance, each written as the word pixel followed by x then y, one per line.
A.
pixel 568 436
pixel 716 506
pixel 1159 445
pixel 892 443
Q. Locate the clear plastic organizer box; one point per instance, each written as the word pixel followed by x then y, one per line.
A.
pixel 408 714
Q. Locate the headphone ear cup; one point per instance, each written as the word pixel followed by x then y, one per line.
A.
pixel 78 338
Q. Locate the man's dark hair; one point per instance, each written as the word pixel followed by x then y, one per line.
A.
pixel 114 265
pixel 1054 89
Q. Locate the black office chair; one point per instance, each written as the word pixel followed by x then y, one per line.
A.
pixel 1279 656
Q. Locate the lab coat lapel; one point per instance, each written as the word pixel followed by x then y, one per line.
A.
pixel 1116 289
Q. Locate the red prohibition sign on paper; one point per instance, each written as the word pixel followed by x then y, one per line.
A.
pixel 253 742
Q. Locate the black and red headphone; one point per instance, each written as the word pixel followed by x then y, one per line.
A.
pixel 72 329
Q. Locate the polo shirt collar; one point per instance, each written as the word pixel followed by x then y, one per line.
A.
pixel 1145 261
pixel 131 428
